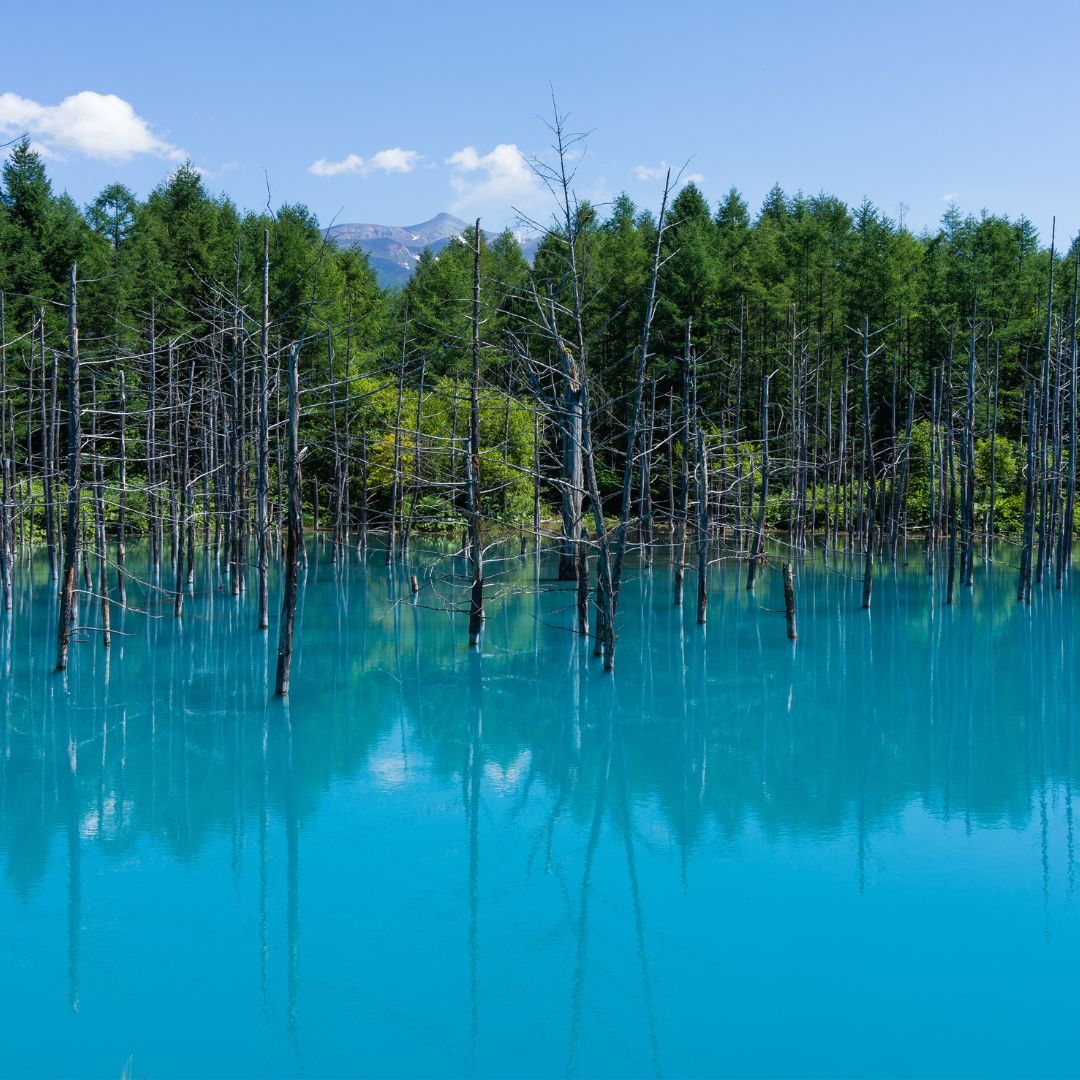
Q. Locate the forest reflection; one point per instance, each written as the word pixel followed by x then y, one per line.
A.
pixel 721 725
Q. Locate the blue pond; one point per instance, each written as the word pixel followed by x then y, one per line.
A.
pixel 850 856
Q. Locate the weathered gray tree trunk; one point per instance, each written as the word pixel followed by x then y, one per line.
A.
pixel 395 486
pixel 292 536
pixel 702 474
pixel 967 564
pixel 583 587
pixel 416 479
pixel 1023 588
pixel 184 507
pixel 262 482
pixel 363 541
pixel 536 481
pixel 951 571
pixel 472 464
pixel 757 549
pixel 152 505
pixel 121 508
pixel 173 458
pixel 571 423
pixel 97 473
pixel 1043 431
pixel 868 460
pixel 1070 493
pixel 48 426
pixel 993 456
pixel 737 430
pixel 684 477
pixel 1065 529
pixel 6 554
pixel 789 602
pixel 74 488
pixel 646 505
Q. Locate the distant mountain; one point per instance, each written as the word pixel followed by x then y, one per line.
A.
pixel 394 250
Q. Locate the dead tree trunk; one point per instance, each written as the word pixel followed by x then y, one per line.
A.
pixel 536 482
pixel 1065 560
pixel 1043 432
pixel 476 549
pixel 292 541
pixel 571 423
pixel 71 524
pixel 684 477
pixel 583 586
pixel 121 508
pixel 6 554
pixel 1023 588
pixel 702 474
pixel 151 452
pixel 868 459
pixel 646 504
pixel 967 564
pixel 395 487
pixel 98 482
pixel 184 510
pixel 951 571
pixel 262 483
pixel 993 452
pixel 363 541
pixel 415 493
pixel 789 602
pixel 757 550
pixel 48 452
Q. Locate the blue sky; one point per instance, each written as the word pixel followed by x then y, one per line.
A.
pixel 393 111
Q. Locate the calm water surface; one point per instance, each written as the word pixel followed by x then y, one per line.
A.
pixel 853 856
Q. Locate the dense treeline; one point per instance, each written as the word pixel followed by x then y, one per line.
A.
pixel 178 252
pixel 182 248
pixel 805 266
pixel 811 367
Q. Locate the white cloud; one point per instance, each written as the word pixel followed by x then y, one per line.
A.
pixel 94 125
pixel 391 160
pixel 657 172
pixel 206 172
pixel 949 197
pixel 651 172
pixel 354 163
pixel 495 181
pixel 395 160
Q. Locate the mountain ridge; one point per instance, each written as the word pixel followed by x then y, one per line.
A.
pixel 394 250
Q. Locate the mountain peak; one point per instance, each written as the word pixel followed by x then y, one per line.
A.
pixel 444 217
pixel 442 226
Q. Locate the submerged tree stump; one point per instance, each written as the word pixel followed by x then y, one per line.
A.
pixel 789 602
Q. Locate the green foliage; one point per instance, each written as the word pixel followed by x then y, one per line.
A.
pixel 506 446
pixel 434 310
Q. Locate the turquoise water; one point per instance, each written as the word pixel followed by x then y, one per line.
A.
pixel 853 856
